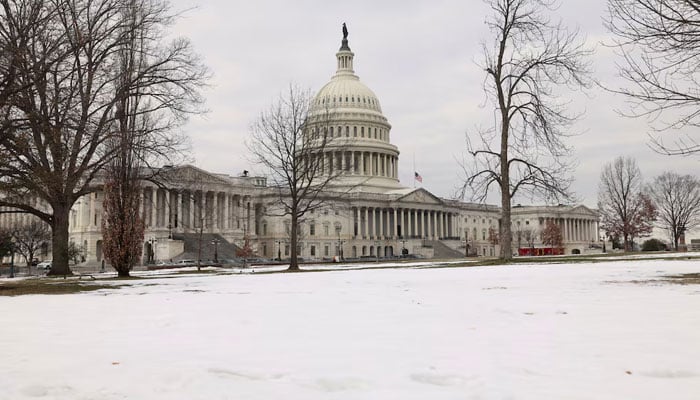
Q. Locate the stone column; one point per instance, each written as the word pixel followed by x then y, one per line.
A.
pixel 91 215
pixel 154 207
pixel 226 225
pixel 365 232
pixel 168 218
pixel 358 221
pixel 362 163
pixel 192 224
pixel 422 221
pixel 141 206
pixel 382 215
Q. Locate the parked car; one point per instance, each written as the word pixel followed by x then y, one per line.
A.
pixel 44 266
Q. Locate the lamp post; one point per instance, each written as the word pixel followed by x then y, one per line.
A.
pixel 403 247
pixel 152 253
pixel 12 259
pixel 279 250
pixel 215 242
pixel 466 247
pixel 340 246
pixel 377 243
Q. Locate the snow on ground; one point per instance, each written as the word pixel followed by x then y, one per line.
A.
pixel 610 330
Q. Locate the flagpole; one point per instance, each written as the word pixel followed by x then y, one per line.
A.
pixel 414 169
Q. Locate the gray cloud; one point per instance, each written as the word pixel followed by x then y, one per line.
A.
pixel 417 56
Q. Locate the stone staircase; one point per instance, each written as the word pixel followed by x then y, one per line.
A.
pixel 441 250
pixel 224 249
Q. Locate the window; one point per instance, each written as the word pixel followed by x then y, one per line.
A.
pixel 312 229
pixel 312 251
pixel 286 249
pixel 325 230
pixel 483 235
pixel 265 249
pixel 325 250
pixel 264 229
pixel 354 131
pixel 362 131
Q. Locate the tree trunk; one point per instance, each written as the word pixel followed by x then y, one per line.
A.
pixel 293 262
pixel 59 241
pixel 123 273
pixel 676 239
pixel 506 252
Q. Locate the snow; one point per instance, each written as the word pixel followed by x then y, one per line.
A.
pixel 609 330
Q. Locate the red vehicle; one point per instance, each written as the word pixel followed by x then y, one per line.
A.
pixel 540 251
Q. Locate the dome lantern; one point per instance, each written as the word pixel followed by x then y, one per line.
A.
pixel 345 55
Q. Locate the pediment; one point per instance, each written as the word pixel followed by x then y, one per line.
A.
pixel 190 175
pixel 581 209
pixel 421 196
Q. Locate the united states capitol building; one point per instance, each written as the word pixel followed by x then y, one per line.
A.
pixel 367 212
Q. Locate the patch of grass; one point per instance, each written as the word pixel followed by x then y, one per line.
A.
pixel 49 286
pixel 684 279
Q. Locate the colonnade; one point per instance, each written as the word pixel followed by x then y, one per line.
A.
pixel 368 163
pixel 181 210
pixel 576 229
pixel 399 223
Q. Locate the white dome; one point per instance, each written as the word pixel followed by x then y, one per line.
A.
pixel 346 91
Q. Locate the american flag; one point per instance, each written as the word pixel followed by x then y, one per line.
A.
pixel 418 177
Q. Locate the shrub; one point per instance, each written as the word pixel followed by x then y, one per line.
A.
pixel 653 245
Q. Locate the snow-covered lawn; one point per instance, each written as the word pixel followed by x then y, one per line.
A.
pixel 611 330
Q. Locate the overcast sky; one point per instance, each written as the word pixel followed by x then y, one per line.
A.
pixel 419 57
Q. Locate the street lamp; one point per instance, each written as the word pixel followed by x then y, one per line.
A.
pixel 152 252
pixel 403 247
pixel 215 242
pixel 340 246
pixel 377 243
pixel 279 250
pixel 466 246
pixel 12 259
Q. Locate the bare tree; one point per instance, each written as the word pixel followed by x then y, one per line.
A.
pixel 30 238
pixel 529 60
pixel 292 142
pixel 659 41
pixel 626 211
pixel 64 111
pixel 677 199
pixel 6 244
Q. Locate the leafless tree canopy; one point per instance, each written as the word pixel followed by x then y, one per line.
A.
pixel 529 60
pixel 677 199
pixel 626 211
pixel 659 41
pixel 66 89
pixel 291 141
pixel 30 238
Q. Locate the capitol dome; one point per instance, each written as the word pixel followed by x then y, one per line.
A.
pixel 345 92
pixel 360 146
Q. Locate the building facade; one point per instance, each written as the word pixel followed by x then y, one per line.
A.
pixel 366 212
